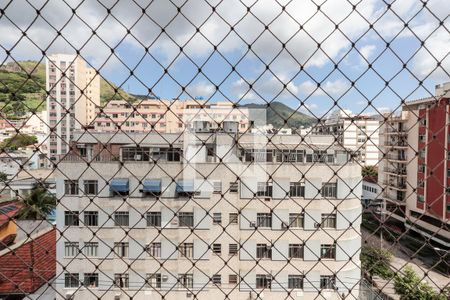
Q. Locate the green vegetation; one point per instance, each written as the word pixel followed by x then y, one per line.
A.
pixel 376 262
pixel 277 113
pixel 3 177
pixel 410 286
pixel 38 204
pixel 18 141
pixel 369 171
pixel 25 82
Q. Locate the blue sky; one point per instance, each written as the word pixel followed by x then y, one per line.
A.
pixel 249 28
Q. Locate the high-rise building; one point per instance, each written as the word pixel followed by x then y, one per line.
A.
pixel 74 93
pixel 415 171
pixel 203 214
pixel 167 116
pixel 356 132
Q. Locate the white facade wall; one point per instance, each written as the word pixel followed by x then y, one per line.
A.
pixel 346 236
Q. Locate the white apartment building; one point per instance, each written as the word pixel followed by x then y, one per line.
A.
pixel 356 132
pixel 74 93
pixel 208 215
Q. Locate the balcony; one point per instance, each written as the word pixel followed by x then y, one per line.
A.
pixel 397 185
pixel 395 171
pixel 396 157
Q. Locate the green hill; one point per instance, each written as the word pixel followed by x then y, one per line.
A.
pixel 277 112
pixel 14 78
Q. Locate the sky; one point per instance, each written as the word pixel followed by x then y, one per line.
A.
pixel 368 60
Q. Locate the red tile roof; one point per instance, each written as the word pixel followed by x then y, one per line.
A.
pixel 26 268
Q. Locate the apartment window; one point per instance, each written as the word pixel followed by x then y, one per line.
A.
pixel 328 251
pixel 91 218
pixel 232 249
pixel 420 199
pixel 217 279
pixel 295 250
pixel 71 218
pixel 186 219
pixel 90 249
pixel 71 249
pixel 263 281
pixel 422 138
pixel 154 250
pixel 121 249
pixel 264 219
pixel 263 251
pixel 217 187
pixel 232 279
pixel 328 221
pixel 186 280
pixel 329 190
pixel 71 187
pixel 296 220
pixel 217 249
pixel 154 280
pixel 186 249
pixel 154 219
pixel 217 218
pixel 422 168
pixel 264 189
pixel 121 280
pixel 91 187
pixel 295 281
pixel 297 189
pixel 233 218
pixel 121 218
pixel 71 280
pixel 91 280
pixel 327 282
pixel 234 187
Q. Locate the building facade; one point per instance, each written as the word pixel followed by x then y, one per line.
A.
pixel 167 116
pixel 208 215
pixel 415 171
pixel 356 132
pixel 74 93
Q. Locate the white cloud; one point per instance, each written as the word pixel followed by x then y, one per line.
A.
pixel 201 89
pixel 332 88
pixel 367 51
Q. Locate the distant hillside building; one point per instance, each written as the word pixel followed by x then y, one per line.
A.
pixel 74 94
pixel 356 132
pixel 167 116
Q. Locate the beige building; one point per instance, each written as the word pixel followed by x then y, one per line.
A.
pixel 199 215
pixel 357 132
pixel 167 116
pixel 415 171
pixel 74 93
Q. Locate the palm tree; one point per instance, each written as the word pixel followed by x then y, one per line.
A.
pixel 38 204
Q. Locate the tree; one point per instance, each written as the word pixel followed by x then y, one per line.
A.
pixel 3 177
pixel 377 262
pixel 369 171
pixel 38 204
pixel 18 141
pixel 17 104
pixel 410 286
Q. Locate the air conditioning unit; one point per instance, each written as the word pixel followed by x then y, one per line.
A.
pixel 317 225
pixel 284 225
pixel 165 278
pixel 117 296
pixel 266 199
pixel 188 295
pixel 253 224
pixel 69 295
